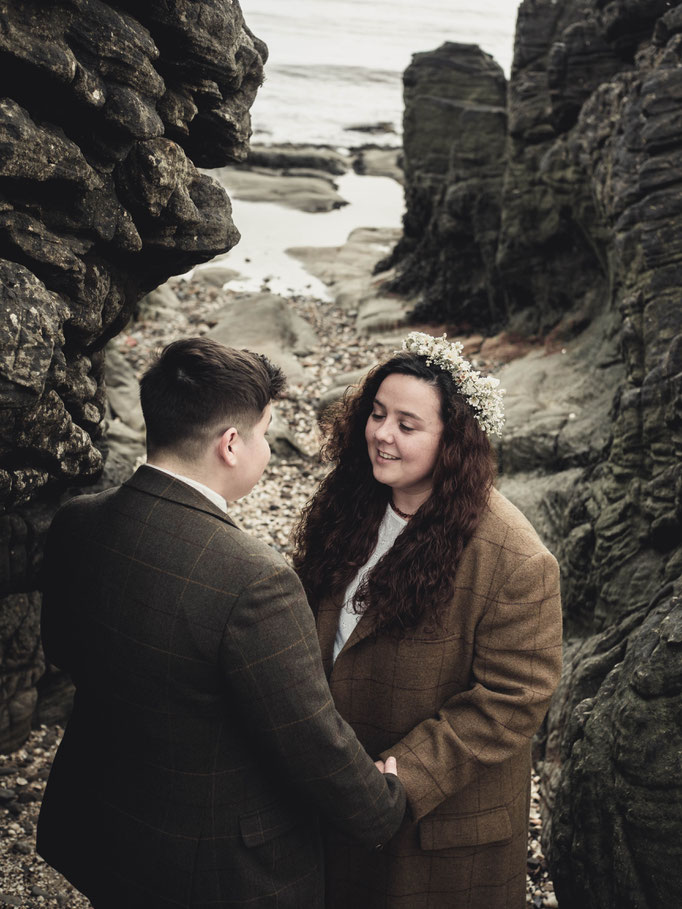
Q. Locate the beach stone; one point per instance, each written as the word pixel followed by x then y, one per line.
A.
pixel 123 389
pixel 8 900
pixel 105 118
pixel 286 157
pixel 158 302
pixel 264 323
pixel 283 443
pixel 373 161
pixel 378 314
pixel 373 128
pixel 311 192
pixel 215 275
pixel 125 448
pixel 341 384
pixel 347 270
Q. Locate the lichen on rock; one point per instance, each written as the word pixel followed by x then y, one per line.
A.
pixel 108 109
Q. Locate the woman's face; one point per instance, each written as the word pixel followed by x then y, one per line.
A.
pixel 403 434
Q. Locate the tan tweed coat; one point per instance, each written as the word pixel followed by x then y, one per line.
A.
pixel 458 707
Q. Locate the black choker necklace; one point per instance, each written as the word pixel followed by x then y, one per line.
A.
pixel 405 517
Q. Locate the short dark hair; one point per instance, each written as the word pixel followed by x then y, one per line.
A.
pixel 197 388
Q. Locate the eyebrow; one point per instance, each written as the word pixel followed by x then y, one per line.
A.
pixel 402 413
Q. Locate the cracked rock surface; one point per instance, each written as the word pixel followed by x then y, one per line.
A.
pixel 108 109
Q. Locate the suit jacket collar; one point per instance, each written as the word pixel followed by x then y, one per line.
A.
pixel 163 486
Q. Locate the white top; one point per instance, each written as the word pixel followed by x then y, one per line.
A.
pixel 391 525
pixel 206 491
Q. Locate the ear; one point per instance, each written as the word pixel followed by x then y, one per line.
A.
pixel 227 447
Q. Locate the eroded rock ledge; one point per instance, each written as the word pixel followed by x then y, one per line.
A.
pixel 109 108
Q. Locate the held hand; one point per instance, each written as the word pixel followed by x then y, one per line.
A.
pixel 389 767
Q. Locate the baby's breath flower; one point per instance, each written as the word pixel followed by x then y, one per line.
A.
pixel 482 392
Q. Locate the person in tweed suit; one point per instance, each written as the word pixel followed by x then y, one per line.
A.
pixel 439 621
pixel 203 742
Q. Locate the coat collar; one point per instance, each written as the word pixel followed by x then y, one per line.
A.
pixel 163 486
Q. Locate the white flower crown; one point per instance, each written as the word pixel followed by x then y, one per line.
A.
pixel 481 392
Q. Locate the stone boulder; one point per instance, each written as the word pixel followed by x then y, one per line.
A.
pixel 107 110
pixel 374 161
pixel 266 324
pixel 296 176
pixel 292 158
pixel 215 275
pixel 123 389
pixel 309 191
pixel 454 148
pixel 347 271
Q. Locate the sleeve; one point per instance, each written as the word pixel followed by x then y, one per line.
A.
pixel 516 667
pixel 271 660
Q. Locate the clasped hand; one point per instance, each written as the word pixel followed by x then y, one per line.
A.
pixel 389 766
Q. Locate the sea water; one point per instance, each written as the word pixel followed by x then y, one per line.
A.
pixel 335 64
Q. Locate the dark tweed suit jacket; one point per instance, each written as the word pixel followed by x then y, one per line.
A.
pixel 203 740
pixel 458 706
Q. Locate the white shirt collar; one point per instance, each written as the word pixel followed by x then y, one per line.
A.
pixel 206 491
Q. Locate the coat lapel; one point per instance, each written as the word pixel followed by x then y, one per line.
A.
pixel 327 621
pixel 327 625
pixel 163 486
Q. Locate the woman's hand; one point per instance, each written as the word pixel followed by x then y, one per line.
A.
pixel 389 766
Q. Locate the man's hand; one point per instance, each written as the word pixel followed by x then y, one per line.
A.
pixel 389 767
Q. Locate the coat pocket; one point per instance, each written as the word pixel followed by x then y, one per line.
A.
pixel 264 824
pixel 451 831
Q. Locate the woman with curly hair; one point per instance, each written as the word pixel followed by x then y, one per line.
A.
pixel 439 621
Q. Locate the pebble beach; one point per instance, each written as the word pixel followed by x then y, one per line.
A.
pixel 269 511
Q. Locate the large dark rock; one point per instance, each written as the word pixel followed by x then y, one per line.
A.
pixel 455 128
pixel 587 259
pixel 617 811
pixel 106 110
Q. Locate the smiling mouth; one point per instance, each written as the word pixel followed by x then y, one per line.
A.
pixel 386 457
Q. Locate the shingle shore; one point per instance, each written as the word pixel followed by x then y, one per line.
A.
pixel 269 512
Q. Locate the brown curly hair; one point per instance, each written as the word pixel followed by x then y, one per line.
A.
pixel 339 527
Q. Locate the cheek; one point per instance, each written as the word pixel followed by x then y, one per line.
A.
pixel 422 457
pixel 433 457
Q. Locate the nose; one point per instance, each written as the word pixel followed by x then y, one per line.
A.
pixel 384 432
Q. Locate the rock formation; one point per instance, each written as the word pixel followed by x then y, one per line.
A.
pixel 108 110
pixel 455 128
pixel 585 256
